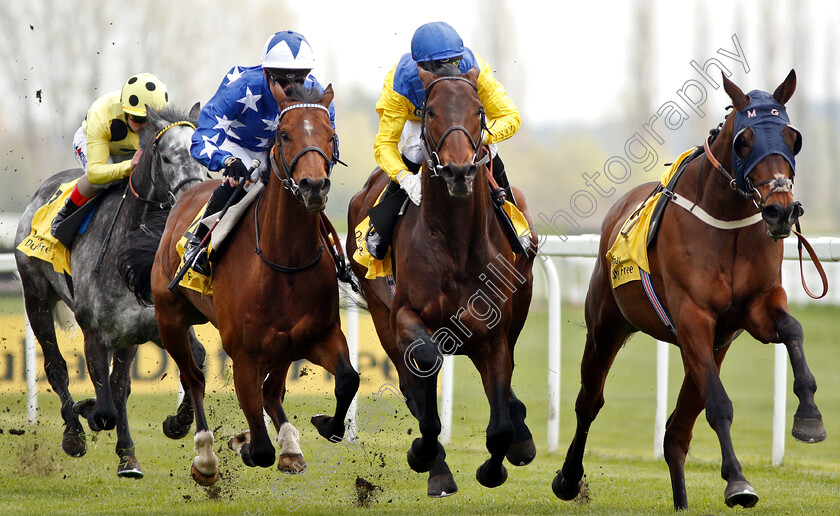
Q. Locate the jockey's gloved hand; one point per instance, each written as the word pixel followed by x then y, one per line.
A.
pixel 411 184
pixel 235 169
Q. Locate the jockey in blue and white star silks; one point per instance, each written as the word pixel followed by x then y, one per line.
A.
pixel 239 123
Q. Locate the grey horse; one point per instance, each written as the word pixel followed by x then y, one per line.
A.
pixel 113 323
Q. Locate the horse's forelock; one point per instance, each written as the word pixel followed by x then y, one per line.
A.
pixel 300 93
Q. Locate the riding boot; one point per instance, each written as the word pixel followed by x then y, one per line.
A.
pixel 68 209
pixel 501 178
pixel 378 242
pixel 194 252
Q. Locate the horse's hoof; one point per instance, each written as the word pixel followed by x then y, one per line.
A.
pixel 202 479
pixel 487 479
pixel 175 428
pixel 563 489
pixel 416 463
pixel 291 463
pixel 808 429
pixel 442 485
pixel 129 468
pixel 84 408
pixel 322 423
pixel 740 493
pixel 522 453
pixel 73 443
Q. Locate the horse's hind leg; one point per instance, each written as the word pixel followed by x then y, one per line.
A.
pixel 129 467
pixel 178 425
pixel 522 451
pixel 607 331
pixel 334 356
pixel 678 432
pixel 205 467
pixel 40 314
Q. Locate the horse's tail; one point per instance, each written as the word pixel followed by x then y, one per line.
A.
pixel 138 255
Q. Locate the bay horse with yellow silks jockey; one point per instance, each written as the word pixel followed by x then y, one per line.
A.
pixel 272 305
pixel 459 288
pixel 111 320
pixel 715 270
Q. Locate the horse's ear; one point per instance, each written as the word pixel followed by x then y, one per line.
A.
pixel 195 110
pixel 328 96
pixel 472 75
pixel 152 113
pixel 279 94
pixel 785 90
pixel 739 99
pixel 426 77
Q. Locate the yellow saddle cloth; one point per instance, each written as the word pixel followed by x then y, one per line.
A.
pixel 383 268
pixel 40 243
pixel 628 255
pixel 194 280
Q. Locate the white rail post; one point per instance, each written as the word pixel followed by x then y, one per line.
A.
pixel 353 347
pixel 779 399
pixel 554 348
pixel 31 376
pixel 661 398
pixel 447 381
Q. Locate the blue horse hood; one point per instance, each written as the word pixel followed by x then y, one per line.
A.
pixel 768 119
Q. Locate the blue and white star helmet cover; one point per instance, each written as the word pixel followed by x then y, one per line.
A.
pixel 288 50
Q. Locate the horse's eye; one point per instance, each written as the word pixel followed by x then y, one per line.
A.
pixel 284 136
pixel 430 113
pixel 167 160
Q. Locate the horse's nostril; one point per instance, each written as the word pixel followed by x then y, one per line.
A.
pixel 772 213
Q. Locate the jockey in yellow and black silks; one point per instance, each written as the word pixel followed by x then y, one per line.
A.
pixel 398 148
pixel 107 144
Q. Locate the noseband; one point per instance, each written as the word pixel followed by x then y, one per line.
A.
pixel 169 194
pixel 430 149
pixel 287 178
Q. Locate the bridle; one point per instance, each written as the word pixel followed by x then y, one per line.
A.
pixel 154 176
pixel 288 167
pixel 431 148
pixel 780 184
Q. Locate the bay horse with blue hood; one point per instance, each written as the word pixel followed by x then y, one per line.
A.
pixel 715 270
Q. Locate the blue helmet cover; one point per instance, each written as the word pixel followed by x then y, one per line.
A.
pixel 768 119
pixel 436 40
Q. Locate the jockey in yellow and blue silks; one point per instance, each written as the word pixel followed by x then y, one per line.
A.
pixel 107 143
pixel 398 148
pixel 238 124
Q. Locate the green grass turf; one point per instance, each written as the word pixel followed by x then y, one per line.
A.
pixel 36 477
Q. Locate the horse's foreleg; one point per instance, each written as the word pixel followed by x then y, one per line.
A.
pixel 696 335
pixel 129 467
pixel 522 451
pixel 288 438
pixel 807 421
pixel 495 366
pixel 769 320
pixel 247 380
pixel 334 356
pixel 178 425
pixel 40 316
pixel 419 364
pixel 100 412
pixel 678 432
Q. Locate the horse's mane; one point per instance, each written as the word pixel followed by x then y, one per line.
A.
pixel 298 92
pixel 167 115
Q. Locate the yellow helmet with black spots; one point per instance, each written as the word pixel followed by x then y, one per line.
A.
pixel 142 89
